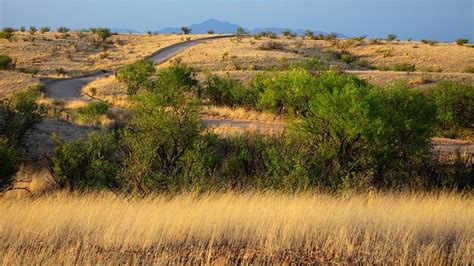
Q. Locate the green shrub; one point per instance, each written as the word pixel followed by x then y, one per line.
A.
pixel 348 58
pixel 93 111
pixel 63 30
pixel 455 107
pixel 86 164
pixel 176 78
pixel 8 165
pixel 391 37
pixel 462 41
pixel 7 33
pixel 33 30
pixel 430 42
pixel 469 70
pixel 210 32
pixel 226 91
pixel 407 67
pixel 186 30
pixel 136 76
pixel 103 33
pixel 22 29
pixel 157 140
pixel 45 29
pixel 6 62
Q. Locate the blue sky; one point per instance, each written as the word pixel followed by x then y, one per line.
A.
pixel 429 19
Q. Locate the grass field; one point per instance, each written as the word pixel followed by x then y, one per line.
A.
pixel 64 228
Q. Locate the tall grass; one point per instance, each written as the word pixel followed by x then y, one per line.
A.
pixel 245 228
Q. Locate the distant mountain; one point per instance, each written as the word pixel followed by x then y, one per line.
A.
pixel 119 30
pixel 222 27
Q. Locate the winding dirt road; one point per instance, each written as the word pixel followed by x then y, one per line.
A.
pixel 70 89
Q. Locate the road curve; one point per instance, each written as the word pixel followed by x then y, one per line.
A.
pixel 70 89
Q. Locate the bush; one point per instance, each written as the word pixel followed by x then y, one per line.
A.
pixel 6 62
pixel 267 34
pixel 93 111
pixel 8 165
pixel 177 78
pixel 225 91
pixel 186 30
pixel 33 30
pixel 86 164
pixel 103 33
pixel 462 41
pixel 455 105
pixel 7 33
pixel 430 42
pixel 22 29
pixel 348 58
pixel 210 32
pixel 407 67
pixel 271 45
pixel 157 140
pixel 391 37
pixel 45 29
pixel 136 76
pixel 469 70
pixel 63 30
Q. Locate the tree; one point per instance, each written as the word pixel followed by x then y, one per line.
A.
pixel 45 29
pixel 103 33
pixel 240 32
pixel 63 30
pixel 186 30
pixel 210 32
pixel 22 29
pixel 462 41
pixel 309 34
pixel 287 33
pixel 6 62
pixel 157 139
pixel 33 30
pixel 7 33
pixel 136 75
pixel 391 37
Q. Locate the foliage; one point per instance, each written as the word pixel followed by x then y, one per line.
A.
pixel 33 30
pixel 430 42
pixel 391 37
pixel 22 29
pixel 462 41
pixel 186 30
pixel 455 105
pixel 103 33
pixel 8 164
pixel 136 75
pixel 86 164
pixel 63 30
pixel 7 33
pixel 157 140
pixel 210 32
pixel 271 45
pixel 407 67
pixel 45 29
pixel 240 32
pixel 226 91
pixel 348 58
pixel 6 62
pixel 93 111
pixel 176 78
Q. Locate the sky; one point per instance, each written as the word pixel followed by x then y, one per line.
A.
pixel 443 20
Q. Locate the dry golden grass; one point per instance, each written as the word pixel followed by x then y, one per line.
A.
pixel 240 113
pixel 246 228
pixel 77 55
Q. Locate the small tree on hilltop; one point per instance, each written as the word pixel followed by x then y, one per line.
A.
pixel 7 33
pixel 63 30
pixel 22 29
pixel 186 30
pixel 45 29
pixel 210 32
pixel 391 37
pixel 462 41
pixel 33 30
pixel 103 33
pixel 240 32
pixel 309 34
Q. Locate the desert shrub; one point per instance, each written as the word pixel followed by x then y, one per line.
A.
pixel 186 30
pixel 391 37
pixel 330 36
pixel 462 41
pixel 60 71
pixel 455 107
pixel 240 32
pixel 86 164
pixel 271 45
pixel 157 139
pixel 348 58
pixel 267 34
pixel 136 76
pixel 210 32
pixel 22 29
pixel 103 33
pixel 225 91
pixel 407 67
pixel 93 111
pixel 7 33
pixel 63 30
pixel 176 78
pixel 8 165
pixel 469 70
pixel 28 70
pixel 33 30
pixel 45 29
pixel 430 42
pixel 6 62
